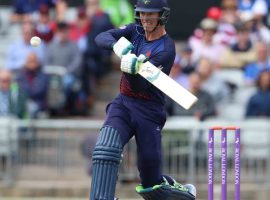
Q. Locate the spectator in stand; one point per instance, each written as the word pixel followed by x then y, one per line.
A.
pixel 225 17
pixel 230 11
pixel 12 104
pixel 120 11
pixel 44 25
pixel 79 28
pixel 19 49
pixel 242 52
pixel 212 83
pixel 258 104
pixel 34 83
pixel 259 7
pixel 204 107
pixel 226 33
pixel 205 46
pixel 61 7
pixel 63 52
pixel 13 101
pixel 185 60
pixel 26 9
pixel 96 60
pixel 254 13
pixel 177 74
pixel 258 30
pixel 262 62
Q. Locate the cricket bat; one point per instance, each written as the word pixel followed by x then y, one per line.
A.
pixel 167 85
pixel 162 81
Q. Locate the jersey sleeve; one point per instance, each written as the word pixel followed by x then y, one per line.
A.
pixel 108 38
pixel 163 60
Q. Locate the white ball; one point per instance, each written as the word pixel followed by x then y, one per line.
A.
pixel 35 41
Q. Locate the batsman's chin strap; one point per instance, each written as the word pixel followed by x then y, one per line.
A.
pixel 157 26
pixel 143 33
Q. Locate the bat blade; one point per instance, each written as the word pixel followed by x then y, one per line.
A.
pixel 167 85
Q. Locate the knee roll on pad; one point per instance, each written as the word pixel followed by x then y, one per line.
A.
pixel 164 192
pixel 106 158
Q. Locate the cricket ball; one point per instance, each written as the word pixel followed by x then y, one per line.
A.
pixel 35 41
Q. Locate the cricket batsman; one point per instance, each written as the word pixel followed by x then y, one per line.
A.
pixel 138 110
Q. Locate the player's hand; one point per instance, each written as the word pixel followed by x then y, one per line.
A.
pixel 122 47
pixel 130 64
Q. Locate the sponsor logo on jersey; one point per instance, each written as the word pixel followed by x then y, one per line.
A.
pixel 148 54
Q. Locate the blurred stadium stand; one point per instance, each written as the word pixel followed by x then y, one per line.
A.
pixel 179 29
pixel 7 33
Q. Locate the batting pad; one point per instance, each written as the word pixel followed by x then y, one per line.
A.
pixel 106 159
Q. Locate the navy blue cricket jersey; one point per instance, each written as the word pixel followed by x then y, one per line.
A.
pixel 160 52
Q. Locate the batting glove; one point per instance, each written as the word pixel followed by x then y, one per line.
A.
pixel 122 47
pixel 130 64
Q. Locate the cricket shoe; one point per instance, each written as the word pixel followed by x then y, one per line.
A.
pixel 191 189
pixel 169 189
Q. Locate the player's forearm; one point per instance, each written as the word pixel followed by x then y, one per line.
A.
pixel 108 38
pixel 105 40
